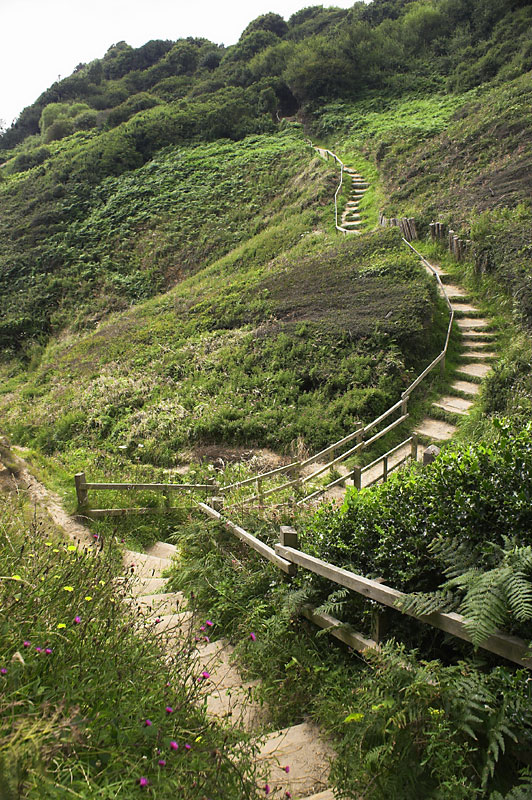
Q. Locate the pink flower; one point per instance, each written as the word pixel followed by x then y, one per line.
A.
pixel 205 675
pixel 202 627
pixel 3 671
pixel 288 794
pixel 266 789
pixel 209 623
pixel 77 620
pixel 48 651
pixel 286 769
pixel 169 710
pixel 252 637
pixel 174 745
pixel 188 747
pixel 143 781
pixel 162 762
pixel 206 639
pixel 38 649
pixel 26 644
pixel 147 723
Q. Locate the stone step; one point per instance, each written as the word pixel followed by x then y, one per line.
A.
pixel 474 371
pixel 479 336
pixel 162 550
pixel 175 627
pixel 142 586
pixel 307 756
pixel 160 604
pixel 465 387
pixel 472 323
pixel 143 565
pixel 464 310
pixel 328 794
pixel 351 216
pixel 436 429
pixel 479 354
pixel 453 405
pixel 353 224
pixel 455 292
pixel 227 695
pixel 475 345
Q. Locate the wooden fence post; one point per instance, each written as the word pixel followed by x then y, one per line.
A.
pixel 442 367
pixel 288 538
pixel 413 447
pixel 259 490
pixel 81 491
pixel 357 477
pixel 404 405
pixel 385 469
pixel 217 503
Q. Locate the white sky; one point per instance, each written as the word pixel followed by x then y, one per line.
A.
pixel 42 39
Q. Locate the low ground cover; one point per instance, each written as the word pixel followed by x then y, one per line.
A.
pixel 89 706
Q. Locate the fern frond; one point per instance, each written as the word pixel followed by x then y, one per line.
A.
pixel 335 601
pixel 422 603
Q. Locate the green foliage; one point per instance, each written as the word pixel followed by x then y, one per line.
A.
pixel 460 529
pixel 421 729
pixel 80 677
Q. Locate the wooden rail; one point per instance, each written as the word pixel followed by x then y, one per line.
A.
pixel 288 558
pixel 83 487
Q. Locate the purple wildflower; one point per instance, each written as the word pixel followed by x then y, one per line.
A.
pixel 162 762
pixel 286 769
pixel 48 651
pixel 188 747
pixel 77 620
pixel 266 789
pixel 174 745
pixel 205 675
pixel 26 644
pixel 3 671
pixel 143 781
pixel 209 623
pixel 252 637
pixel 147 723
pixel 169 710
pixel 38 649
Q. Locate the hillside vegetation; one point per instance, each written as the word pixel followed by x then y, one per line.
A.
pixel 174 292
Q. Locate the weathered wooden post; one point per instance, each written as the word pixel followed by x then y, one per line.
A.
pixel 81 489
pixel 357 477
pixel 385 469
pixel 288 538
pixel 404 404
pixel 217 503
pixel 442 367
pixel 413 447
pixel 258 485
pixel 430 454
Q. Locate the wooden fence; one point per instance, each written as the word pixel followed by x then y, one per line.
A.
pixel 287 556
pixel 458 247
pixel 83 487
pixel 407 225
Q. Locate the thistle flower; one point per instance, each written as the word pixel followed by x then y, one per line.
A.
pixel 143 782
pixel 3 671
pixel 77 620
pixel 267 789
pixel 26 644
pixel 252 637
pixel 169 710
pixel 205 675
pixel 147 723
pixel 209 623
pixel 286 769
pixel 188 747
pixel 48 651
pixel 162 762
pixel 174 746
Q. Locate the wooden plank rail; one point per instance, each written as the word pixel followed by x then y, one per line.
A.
pixel 248 538
pixel 83 486
pixel 509 647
